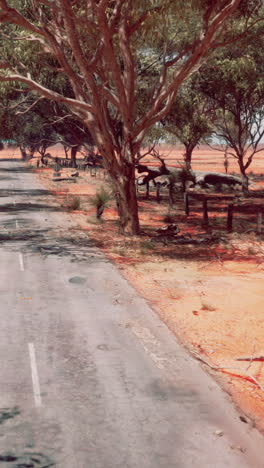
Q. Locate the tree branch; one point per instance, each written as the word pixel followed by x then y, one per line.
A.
pixel 73 103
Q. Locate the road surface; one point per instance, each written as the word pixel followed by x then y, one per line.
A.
pixel 89 375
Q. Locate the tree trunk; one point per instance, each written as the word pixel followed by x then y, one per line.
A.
pixel 23 153
pixel 74 150
pixel 42 157
pixel 31 154
pixel 126 200
pixel 188 157
pixel 171 198
pixel 244 182
pixel 226 163
pixel 66 151
pixel 243 175
pixel 147 190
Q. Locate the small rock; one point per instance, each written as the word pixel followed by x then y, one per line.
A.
pixel 219 433
pixel 237 447
pixel 77 280
pixel 243 419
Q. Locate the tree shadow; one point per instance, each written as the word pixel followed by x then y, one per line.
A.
pixel 27 207
pixel 46 242
pixel 6 178
pixel 8 192
pixel 10 160
pixel 16 169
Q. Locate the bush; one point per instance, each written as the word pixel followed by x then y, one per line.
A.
pixel 146 245
pixel 119 251
pixel 75 204
pixel 100 201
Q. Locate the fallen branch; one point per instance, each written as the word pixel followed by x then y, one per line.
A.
pixel 61 179
pixel 219 368
pixel 254 358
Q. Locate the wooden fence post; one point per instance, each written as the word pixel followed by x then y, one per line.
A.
pixel 230 210
pixel 205 212
pixel 147 190
pixel 158 192
pixel 186 203
pixel 259 222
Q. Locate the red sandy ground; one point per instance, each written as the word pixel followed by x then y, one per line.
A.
pixel 211 297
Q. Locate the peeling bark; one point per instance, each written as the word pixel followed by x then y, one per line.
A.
pixel 126 200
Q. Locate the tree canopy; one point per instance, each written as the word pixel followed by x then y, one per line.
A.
pixel 190 119
pixel 233 82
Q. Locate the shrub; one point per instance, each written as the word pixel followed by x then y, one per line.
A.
pixel 100 201
pixel 146 245
pixel 119 251
pixel 75 204
pixel 252 250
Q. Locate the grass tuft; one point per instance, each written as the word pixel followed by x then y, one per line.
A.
pixel 75 204
pixel 100 201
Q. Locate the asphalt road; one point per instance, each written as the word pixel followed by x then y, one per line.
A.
pixel 89 375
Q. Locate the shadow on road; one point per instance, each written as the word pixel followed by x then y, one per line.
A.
pixel 6 178
pixel 10 160
pixel 20 169
pixel 11 208
pixel 24 232
pixel 24 192
pixel 48 242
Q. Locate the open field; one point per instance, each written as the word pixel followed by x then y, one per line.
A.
pixel 207 159
pixel 204 158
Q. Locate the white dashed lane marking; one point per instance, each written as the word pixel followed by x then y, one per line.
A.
pixel 21 262
pixel 34 375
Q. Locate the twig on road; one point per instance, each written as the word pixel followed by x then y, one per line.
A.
pixel 219 368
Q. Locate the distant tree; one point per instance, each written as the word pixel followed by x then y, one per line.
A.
pixel 190 120
pixel 37 124
pixel 233 81
pixel 72 132
pixel 23 120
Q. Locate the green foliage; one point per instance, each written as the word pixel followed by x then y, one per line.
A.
pixel 100 201
pixel 190 118
pixel 75 204
pixel 102 197
pixel 233 82
pixel 119 251
pixel 146 245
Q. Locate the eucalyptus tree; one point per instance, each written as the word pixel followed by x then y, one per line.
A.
pixel 25 120
pixel 233 82
pixel 100 48
pixel 189 120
